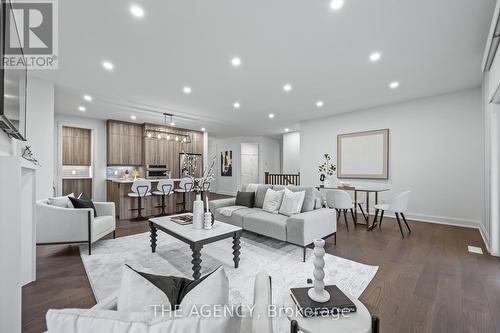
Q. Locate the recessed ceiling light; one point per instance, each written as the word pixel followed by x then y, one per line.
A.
pixel 108 65
pixel 320 104
pixel 187 90
pixel 236 62
pixel 82 108
pixel 88 98
pixel 236 105
pixel 375 56
pixel 203 129
pixel 287 87
pixel 133 117
pixel 271 115
pixel 394 85
pixel 336 4
pixel 136 11
pixel 287 129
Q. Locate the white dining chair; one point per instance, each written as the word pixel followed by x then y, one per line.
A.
pixel 140 190
pixel 341 201
pixel 360 202
pixel 164 188
pixel 186 185
pixel 399 206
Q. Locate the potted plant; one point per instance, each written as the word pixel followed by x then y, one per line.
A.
pixel 326 170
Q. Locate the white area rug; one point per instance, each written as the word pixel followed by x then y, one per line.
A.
pixel 281 260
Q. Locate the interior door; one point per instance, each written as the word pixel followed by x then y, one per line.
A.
pixel 249 163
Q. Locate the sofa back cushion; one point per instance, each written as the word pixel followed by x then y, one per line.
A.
pixel 260 195
pixel 309 198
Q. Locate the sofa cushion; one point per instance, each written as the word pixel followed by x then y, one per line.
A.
pixel 267 224
pixel 309 199
pixel 260 194
pixel 292 202
pixel 272 201
pixel 82 202
pixel 237 217
pixel 245 199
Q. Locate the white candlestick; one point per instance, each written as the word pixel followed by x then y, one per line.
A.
pixel 318 292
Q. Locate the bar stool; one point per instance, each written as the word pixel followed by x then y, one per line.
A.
pixel 140 190
pixel 186 185
pixel 164 188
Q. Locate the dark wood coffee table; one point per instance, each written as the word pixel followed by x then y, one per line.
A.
pixel 196 238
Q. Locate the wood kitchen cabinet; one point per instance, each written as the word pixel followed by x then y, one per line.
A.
pixel 124 146
pixel 77 186
pixel 76 146
pixel 155 150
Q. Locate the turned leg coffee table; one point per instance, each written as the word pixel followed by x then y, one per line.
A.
pixel 196 238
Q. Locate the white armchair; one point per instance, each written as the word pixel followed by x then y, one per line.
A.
pixel 56 225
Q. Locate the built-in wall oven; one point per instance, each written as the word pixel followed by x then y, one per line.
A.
pixel 156 171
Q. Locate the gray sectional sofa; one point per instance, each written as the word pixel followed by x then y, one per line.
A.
pixel 300 229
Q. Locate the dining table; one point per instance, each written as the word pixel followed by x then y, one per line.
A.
pixel 367 189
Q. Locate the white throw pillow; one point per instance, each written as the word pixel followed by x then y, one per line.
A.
pixel 292 202
pixel 62 201
pixel 272 201
pixel 100 321
pixel 137 294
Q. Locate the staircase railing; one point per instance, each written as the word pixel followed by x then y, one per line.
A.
pixel 282 178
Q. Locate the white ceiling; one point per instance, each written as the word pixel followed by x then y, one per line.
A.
pixel 429 46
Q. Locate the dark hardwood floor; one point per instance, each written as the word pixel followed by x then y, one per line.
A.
pixel 427 282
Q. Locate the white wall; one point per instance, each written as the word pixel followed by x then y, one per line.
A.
pixel 39 132
pixel 490 228
pixel 98 129
pixel 436 151
pixel 6 145
pixel 291 152
pixel 269 160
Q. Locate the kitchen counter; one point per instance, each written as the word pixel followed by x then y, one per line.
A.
pixel 130 181
pixel 117 192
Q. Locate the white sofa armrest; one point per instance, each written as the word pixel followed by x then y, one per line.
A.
pixel 105 208
pixel 62 225
pixel 215 204
pixel 302 228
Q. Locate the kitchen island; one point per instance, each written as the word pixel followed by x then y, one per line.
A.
pixel 118 189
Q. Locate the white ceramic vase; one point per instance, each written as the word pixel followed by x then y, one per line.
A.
pixel 198 212
pixel 318 292
pixel 208 221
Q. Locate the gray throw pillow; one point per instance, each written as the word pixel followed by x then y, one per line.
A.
pixel 246 199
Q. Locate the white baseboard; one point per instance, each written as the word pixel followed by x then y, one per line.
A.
pixel 486 237
pixel 457 222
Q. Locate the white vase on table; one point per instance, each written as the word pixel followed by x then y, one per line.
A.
pixel 198 212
